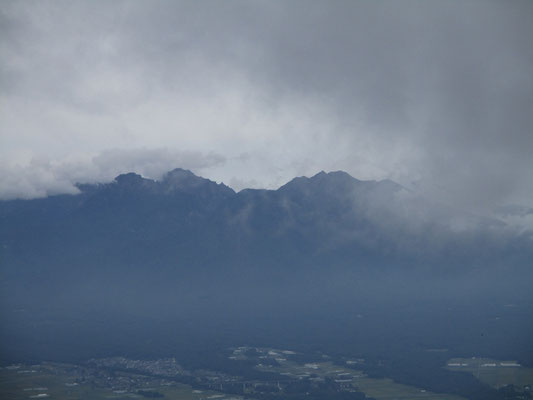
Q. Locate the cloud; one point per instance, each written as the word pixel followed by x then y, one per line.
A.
pixel 41 177
pixel 435 95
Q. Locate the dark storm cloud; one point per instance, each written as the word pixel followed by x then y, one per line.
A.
pixel 433 94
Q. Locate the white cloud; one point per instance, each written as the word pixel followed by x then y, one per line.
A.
pixel 41 177
pixel 433 93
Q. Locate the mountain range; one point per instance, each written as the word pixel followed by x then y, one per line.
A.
pixel 141 266
pixel 186 222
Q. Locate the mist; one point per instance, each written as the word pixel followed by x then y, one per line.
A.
pixel 434 96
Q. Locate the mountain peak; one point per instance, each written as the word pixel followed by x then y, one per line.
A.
pixel 337 176
pixel 129 178
pixel 184 180
pixel 324 180
pixel 179 173
pixel 179 178
pixel 176 181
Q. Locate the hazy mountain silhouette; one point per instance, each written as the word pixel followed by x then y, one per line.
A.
pixel 368 267
pixel 188 225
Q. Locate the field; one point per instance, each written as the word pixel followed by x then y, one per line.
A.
pixel 386 389
pixel 40 381
pixel 494 372
pixel 69 382
pixel 380 389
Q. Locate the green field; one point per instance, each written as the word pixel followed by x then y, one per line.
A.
pixel 62 381
pixel 386 389
pixel 494 375
pixel 18 385
pixel 15 385
pixel 380 389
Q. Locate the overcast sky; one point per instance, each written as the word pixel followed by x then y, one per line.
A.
pixel 437 95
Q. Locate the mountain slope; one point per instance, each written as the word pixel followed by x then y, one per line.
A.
pixel 142 225
pixel 368 267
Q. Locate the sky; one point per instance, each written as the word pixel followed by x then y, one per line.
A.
pixel 436 95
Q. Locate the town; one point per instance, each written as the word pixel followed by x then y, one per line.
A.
pixel 246 372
